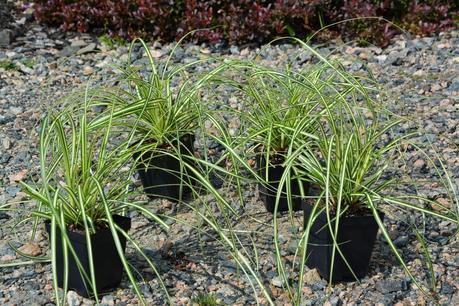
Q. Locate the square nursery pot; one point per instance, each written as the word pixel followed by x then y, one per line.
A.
pixel 160 172
pixel 356 238
pixel 107 263
pixel 268 190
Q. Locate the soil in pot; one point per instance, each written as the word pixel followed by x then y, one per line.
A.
pixel 356 238
pixel 268 191
pixel 161 173
pixel 107 263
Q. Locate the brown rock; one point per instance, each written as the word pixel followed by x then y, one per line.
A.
pixel 443 204
pixel 87 70
pixel 311 277
pixel 19 176
pixel 31 249
pixel 7 258
pixel 419 163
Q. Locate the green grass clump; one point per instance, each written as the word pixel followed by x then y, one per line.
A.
pixel 29 63
pixel 205 299
pixel 7 65
pixel 111 42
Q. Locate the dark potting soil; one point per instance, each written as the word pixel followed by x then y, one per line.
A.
pixel 79 229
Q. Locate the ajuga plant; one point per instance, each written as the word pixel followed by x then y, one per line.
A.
pixel 160 114
pixel 83 198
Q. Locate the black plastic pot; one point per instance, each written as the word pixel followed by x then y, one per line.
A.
pixel 107 263
pixel 161 175
pixel 356 238
pixel 268 191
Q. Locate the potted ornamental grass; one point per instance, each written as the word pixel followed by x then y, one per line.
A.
pixel 349 163
pixel 284 116
pixel 83 198
pixel 344 222
pixel 160 114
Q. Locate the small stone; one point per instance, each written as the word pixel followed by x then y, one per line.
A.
pixel 277 281
pixel 435 88
pixel 447 289
pixel 89 48
pixel 7 258
pixel 12 190
pixel 311 277
pixel 31 249
pixel 166 203
pixel 292 246
pixel 68 51
pixel 245 52
pixel 89 302
pixel 205 51
pixel 444 203
pixel 16 110
pixel 419 73
pixel 79 43
pixel 234 50
pixel 233 102
pixel 419 163
pixel 445 103
pixel 139 222
pixel 6 143
pixel 395 57
pixel 454 86
pixel 455 299
pixel 73 299
pixel 387 286
pixel 401 241
pixel 6 37
pixel 87 70
pixel 156 53
pixel 19 176
pixel 107 300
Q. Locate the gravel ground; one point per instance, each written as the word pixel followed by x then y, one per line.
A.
pixel 419 78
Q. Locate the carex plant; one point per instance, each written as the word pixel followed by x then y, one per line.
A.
pixel 159 111
pixel 284 120
pixel 289 120
pixel 283 115
pixel 349 162
pixel 309 125
pixel 83 197
pixel 158 105
pixel 345 147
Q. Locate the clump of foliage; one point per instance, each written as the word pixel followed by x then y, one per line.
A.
pixel 244 21
pixel 203 299
pixel 7 65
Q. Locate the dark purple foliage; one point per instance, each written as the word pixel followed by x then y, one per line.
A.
pixel 244 21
